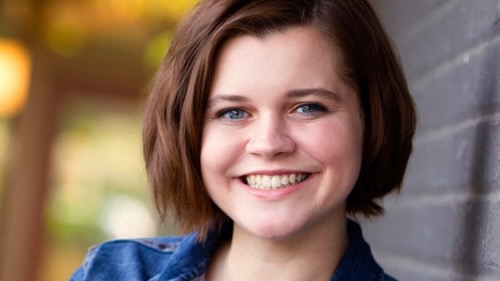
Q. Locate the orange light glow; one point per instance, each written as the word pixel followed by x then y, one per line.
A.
pixel 15 72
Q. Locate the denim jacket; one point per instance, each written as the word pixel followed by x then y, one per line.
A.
pixel 182 258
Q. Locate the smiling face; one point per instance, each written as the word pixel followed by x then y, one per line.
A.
pixel 282 138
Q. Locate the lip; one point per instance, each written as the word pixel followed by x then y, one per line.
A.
pixel 273 172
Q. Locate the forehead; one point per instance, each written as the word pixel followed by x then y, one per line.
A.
pixel 294 57
pixel 294 38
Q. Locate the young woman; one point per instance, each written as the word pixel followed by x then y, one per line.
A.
pixel 269 122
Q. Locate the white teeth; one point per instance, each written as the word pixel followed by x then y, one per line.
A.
pixel 284 181
pixel 266 181
pixel 258 180
pixel 274 182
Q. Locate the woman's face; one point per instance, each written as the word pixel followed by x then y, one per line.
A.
pixel 282 138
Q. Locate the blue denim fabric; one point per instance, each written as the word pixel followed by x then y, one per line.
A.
pixel 184 259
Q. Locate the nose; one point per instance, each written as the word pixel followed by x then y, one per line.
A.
pixel 270 138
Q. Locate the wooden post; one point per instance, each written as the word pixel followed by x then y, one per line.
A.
pixel 27 179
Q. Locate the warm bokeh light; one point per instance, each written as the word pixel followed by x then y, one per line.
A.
pixel 174 9
pixel 94 59
pixel 99 186
pixel 127 217
pixel 66 38
pixel 15 72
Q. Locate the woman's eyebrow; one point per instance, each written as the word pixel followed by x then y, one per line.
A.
pixel 321 92
pixel 295 93
pixel 225 98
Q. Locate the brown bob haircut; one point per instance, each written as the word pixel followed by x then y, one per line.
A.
pixel 174 114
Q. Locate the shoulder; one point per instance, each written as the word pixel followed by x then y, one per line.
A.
pixel 133 259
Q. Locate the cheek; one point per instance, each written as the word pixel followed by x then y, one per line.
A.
pixel 218 152
pixel 210 150
pixel 335 142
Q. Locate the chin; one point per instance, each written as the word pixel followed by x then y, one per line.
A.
pixel 287 224
pixel 274 230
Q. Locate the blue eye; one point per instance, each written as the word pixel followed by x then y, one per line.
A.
pixel 233 114
pixel 310 108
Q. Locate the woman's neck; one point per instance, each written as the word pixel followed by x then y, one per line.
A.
pixel 312 254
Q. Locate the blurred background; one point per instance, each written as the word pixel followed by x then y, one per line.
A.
pixel 73 80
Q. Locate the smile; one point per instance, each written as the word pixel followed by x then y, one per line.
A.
pixel 270 182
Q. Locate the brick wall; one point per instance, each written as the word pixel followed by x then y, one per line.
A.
pixel 445 224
